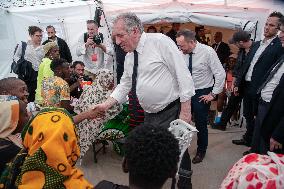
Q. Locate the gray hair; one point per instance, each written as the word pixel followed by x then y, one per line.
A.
pixel 131 21
pixel 188 34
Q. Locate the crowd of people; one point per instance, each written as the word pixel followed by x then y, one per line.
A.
pixel 163 78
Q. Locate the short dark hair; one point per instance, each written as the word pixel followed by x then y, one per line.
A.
pixel 188 34
pixel 276 14
pixel 92 22
pixel 75 63
pixel 50 26
pixel 56 63
pixel 240 35
pixel 33 29
pixel 152 155
pixel 281 21
pixel 7 84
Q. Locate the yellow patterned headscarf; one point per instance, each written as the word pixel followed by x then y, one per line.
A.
pixel 51 141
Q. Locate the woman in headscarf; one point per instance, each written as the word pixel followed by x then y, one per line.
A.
pixel 94 94
pixel 50 141
pixel 51 51
pixel 256 171
pixel 13 117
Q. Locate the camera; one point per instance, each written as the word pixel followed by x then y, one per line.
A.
pixel 97 39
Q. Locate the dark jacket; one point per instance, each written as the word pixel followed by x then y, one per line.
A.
pixel 172 34
pixel 268 57
pixel 63 49
pixel 223 51
pixel 273 122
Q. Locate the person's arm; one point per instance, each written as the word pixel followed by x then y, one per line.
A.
pixel 278 135
pixel 81 46
pixel 185 111
pixel 217 70
pixel 90 114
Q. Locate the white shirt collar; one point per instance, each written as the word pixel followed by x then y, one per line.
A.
pixel 141 43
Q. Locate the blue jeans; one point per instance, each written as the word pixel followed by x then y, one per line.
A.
pixel 200 112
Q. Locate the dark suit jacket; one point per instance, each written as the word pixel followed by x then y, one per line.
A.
pixel 273 123
pixel 63 49
pixel 223 51
pixel 268 57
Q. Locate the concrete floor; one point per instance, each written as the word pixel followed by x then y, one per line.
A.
pixel 220 157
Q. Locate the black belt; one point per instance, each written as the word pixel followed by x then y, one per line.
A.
pixel 171 105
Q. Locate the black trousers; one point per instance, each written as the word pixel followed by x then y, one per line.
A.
pixel 233 104
pixel 163 119
pixel 32 85
pixel 250 110
pixel 258 145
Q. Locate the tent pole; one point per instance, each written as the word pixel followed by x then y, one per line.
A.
pixel 225 2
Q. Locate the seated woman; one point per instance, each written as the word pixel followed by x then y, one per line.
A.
pixel 13 117
pixel 94 94
pixel 51 147
pixel 51 51
pixel 256 171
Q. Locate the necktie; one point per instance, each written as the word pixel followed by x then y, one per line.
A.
pixel 190 62
pixel 270 76
pixel 136 112
pixel 134 73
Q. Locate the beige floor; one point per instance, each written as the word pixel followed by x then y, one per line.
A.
pixel 209 174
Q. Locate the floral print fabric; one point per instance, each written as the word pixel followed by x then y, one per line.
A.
pixel 256 171
pixel 96 93
pixel 54 90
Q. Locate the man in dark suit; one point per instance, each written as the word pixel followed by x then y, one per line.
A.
pixel 263 55
pixel 269 124
pixel 63 47
pixel 245 44
pixel 222 49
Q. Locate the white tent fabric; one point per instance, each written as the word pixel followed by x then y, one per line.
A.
pixel 69 16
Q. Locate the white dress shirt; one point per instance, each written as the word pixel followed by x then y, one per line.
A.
pixel 262 47
pixel 205 67
pixel 162 74
pixel 32 54
pixel 90 66
pixel 267 91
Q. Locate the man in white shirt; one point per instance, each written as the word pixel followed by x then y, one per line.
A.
pixel 159 78
pixel 205 66
pixel 92 52
pixel 269 124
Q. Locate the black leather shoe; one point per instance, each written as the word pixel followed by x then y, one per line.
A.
pixel 198 157
pixel 219 127
pixel 241 142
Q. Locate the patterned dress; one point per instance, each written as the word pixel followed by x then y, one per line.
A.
pixel 96 93
pixel 54 90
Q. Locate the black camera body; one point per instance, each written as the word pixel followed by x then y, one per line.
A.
pixel 98 39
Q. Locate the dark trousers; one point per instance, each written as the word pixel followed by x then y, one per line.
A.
pixel 233 104
pixel 32 85
pixel 258 145
pixel 163 119
pixel 200 112
pixel 250 109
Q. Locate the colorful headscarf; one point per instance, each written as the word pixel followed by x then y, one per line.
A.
pixel 9 117
pixel 51 143
pixel 256 171
pixel 94 94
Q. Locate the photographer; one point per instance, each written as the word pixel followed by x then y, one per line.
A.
pixel 90 46
pixel 77 78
